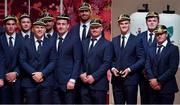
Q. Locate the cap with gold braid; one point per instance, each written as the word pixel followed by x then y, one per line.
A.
pixel 39 22
pixel 10 17
pixel 152 14
pixel 63 16
pixel 85 6
pixel 46 16
pixel 95 23
pixel 160 29
pixel 123 17
pixel 25 15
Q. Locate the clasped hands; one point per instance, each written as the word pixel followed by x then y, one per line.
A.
pixel 37 77
pixel 123 73
pixel 155 84
pixel 88 79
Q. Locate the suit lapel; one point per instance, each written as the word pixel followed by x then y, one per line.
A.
pixel 96 45
pixel 33 47
pixel 87 46
pixel 164 51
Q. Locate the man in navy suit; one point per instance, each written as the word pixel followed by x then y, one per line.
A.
pixel 97 53
pixel 25 24
pixel 10 45
pixel 128 61
pixel 161 65
pixel 1 30
pixel 49 20
pixel 69 54
pixel 38 58
pixel 81 30
pixel 147 38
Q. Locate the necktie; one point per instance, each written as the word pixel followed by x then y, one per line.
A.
pixel 158 51
pixel 49 35
pixel 92 44
pixel 26 36
pixel 60 42
pixel 10 43
pixel 150 39
pixel 123 42
pixel 39 46
pixel 84 32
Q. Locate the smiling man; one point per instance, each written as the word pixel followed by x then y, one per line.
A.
pixel 128 60
pixel 161 66
pixel 37 59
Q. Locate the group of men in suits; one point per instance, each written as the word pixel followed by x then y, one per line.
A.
pixel 69 65
pixel 148 59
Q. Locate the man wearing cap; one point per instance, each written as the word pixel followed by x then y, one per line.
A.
pixel 147 38
pixel 10 45
pixel 128 60
pixel 97 53
pixel 38 59
pixel 25 24
pixel 81 30
pixel 161 65
pixel 49 20
pixel 69 54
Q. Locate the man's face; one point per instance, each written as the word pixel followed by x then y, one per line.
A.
pixel 160 38
pixel 49 24
pixel 96 31
pixel 85 15
pixel 25 24
pixel 10 27
pixel 124 26
pixel 62 26
pixel 152 23
pixel 39 31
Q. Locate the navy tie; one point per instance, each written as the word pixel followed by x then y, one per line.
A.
pixel 60 42
pixel 92 44
pixel 10 43
pixel 39 46
pixel 158 51
pixel 84 32
pixel 150 39
pixel 123 42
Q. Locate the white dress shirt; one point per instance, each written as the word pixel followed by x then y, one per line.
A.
pixel 81 28
pixel 13 39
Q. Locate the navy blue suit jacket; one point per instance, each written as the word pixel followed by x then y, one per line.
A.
pixel 132 56
pixel 68 62
pixel 164 68
pixel 76 33
pixel 9 58
pixel 97 62
pixel 31 62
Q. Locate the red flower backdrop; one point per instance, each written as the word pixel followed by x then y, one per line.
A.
pixel 101 9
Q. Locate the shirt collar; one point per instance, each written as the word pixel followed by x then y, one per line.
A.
pixel 51 32
pixel 98 37
pixel 150 32
pixel 13 35
pixel 127 35
pixel 38 39
pixel 64 35
pixel 26 33
pixel 87 24
pixel 164 43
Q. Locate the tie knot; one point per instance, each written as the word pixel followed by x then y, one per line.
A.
pixel 151 34
pixel 93 39
pixel 84 26
pixel 60 38
pixel 123 37
pixel 10 37
pixel 159 46
pixel 26 36
pixel 48 35
pixel 39 41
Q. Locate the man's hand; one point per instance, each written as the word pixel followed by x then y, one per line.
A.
pixel 126 72
pixel 115 72
pixel 37 76
pixel 155 84
pixel 84 77
pixel 1 82
pixel 70 85
pixel 90 79
pixel 11 76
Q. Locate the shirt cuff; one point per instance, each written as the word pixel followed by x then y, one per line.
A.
pixel 113 68
pixel 129 69
pixel 72 80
